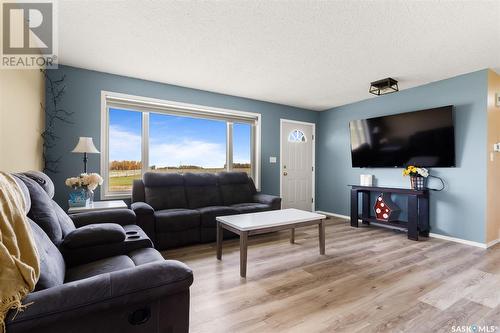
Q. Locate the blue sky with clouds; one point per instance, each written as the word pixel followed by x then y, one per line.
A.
pixel 176 140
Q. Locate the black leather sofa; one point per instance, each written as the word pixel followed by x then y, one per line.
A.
pixel 97 277
pixel 180 209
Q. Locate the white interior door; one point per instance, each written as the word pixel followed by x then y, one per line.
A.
pixel 297 143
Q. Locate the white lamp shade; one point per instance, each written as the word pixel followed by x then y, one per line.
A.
pixel 85 145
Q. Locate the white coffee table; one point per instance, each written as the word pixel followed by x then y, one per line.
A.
pixel 263 222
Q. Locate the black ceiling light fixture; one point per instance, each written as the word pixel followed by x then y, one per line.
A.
pixel 384 86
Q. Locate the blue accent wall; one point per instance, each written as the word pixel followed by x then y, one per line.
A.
pixel 458 211
pixel 83 97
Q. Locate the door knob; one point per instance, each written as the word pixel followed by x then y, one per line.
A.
pixel 285 173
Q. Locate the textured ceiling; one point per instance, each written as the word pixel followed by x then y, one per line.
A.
pixel 311 54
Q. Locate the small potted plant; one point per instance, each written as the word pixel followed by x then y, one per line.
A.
pixel 83 189
pixel 417 176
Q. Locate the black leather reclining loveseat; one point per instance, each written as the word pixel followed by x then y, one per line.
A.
pixel 103 277
pixel 180 209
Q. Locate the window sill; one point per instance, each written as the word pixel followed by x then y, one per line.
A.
pixel 116 196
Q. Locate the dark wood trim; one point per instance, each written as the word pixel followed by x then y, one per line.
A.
pixel 412 217
pixel 365 202
pixel 220 238
pixel 281 227
pixel 243 253
pixel 354 208
pixel 321 233
pixel 230 228
pixel 397 223
pixel 395 190
pixel 423 213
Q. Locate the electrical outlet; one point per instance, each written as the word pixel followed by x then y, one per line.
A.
pixel 496 147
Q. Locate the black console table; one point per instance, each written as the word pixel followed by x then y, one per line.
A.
pixel 418 209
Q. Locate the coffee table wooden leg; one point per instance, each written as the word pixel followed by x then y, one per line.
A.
pixel 243 253
pixel 292 235
pixel 220 236
pixel 321 227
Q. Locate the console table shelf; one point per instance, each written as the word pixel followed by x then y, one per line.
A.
pixel 397 223
pixel 418 209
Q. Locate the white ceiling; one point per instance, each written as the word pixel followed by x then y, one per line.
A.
pixel 311 54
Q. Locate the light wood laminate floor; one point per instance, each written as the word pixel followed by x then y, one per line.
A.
pixel 370 280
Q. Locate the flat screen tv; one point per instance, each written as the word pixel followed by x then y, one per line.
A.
pixel 424 138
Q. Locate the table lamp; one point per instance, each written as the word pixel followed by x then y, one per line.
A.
pixel 86 146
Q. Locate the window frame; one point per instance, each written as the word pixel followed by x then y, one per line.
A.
pixel 146 105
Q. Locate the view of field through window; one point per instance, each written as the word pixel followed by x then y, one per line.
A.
pixel 177 144
pixel 125 142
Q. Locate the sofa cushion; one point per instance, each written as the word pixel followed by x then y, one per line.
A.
pixel 162 179
pixel 176 219
pixel 226 178
pixel 52 266
pixel 236 193
pixel 251 207
pixel 164 190
pixel 235 187
pixel 106 265
pixel 42 211
pixel 202 190
pixel 166 197
pixel 208 214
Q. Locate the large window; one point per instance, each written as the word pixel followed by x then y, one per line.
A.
pixel 242 147
pixel 184 144
pixel 125 136
pixel 140 135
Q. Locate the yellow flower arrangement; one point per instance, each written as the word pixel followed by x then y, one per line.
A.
pixel 414 171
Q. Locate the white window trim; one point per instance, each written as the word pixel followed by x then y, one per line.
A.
pixel 146 104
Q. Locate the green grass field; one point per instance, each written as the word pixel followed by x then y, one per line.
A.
pixel 120 181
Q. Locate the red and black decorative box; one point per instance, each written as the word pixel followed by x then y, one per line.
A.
pixel 385 209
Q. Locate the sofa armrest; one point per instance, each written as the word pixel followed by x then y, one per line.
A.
pixel 94 234
pixel 142 208
pixel 145 218
pixel 118 216
pixel 91 296
pixel 135 239
pixel 272 200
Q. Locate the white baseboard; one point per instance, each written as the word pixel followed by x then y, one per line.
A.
pixel 345 217
pixel 459 240
pixel 493 242
pixel 433 235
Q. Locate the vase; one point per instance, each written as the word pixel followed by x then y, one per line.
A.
pixel 90 196
pixel 78 197
pixel 417 183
